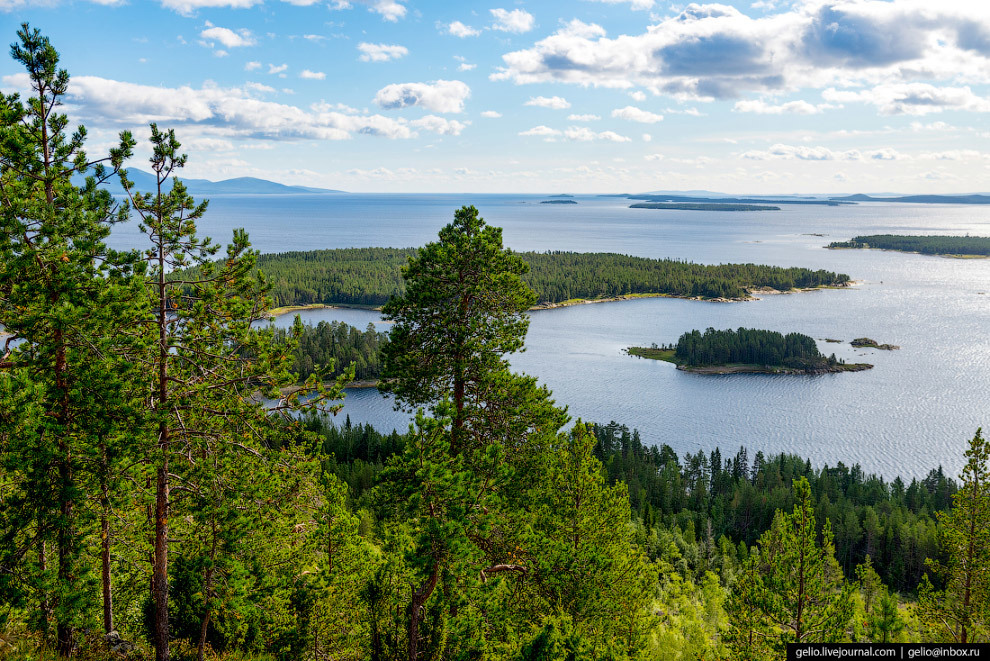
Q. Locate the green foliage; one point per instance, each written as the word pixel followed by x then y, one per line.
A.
pixel 750 346
pixel 370 276
pixel 959 612
pixel 335 345
pixel 926 245
pixel 791 588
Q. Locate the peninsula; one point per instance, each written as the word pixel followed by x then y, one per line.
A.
pixel 746 350
pixel 946 246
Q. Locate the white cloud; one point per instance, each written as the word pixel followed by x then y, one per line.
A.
pixel 761 107
pixel 491 114
pixel 647 137
pixel 273 69
pixel 381 52
pixel 517 20
pixel 458 29
pixel 464 66
pixel 583 118
pixel 312 75
pixel 636 5
pixel 654 157
pixel 252 66
pixel 638 95
pixel 389 10
pixel 439 125
pixel 912 98
pixel 552 102
pixel 634 114
pixel 541 130
pixel 314 37
pixel 804 153
pixel 227 113
pixel 438 96
pixel 714 51
pixel 187 7
pixel 229 38
pixel 584 134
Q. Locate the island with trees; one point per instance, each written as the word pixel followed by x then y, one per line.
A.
pixel 747 350
pixel 703 206
pixel 870 343
pixel 558 202
pixel 368 277
pixel 946 246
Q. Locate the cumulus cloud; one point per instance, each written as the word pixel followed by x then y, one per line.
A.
pixel 312 75
pixel 439 125
pixel 912 98
pixel 636 5
pixel 389 10
pixel 517 20
pixel 804 153
pixel 228 37
pixel 252 66
pixel 714 51
pixel 464 66
pixel 187 7
pixel 277 68
pixel 575 133
pixel 634 114
pixel 552 102
pixel 541 130
pixel 491 114
pixel 583 118
pixel 458 29
pixel 381 52
pixel 761 107
pixel 227 112
pixel 439 96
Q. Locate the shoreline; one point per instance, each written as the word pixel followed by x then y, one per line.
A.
pixel 753 295
pixel 667 356
pixel 915 252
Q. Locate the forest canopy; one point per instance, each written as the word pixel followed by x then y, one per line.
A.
pixel 370 276
pixel 926 245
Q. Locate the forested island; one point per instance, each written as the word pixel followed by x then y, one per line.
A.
pixel 870 343
pixel 150 507
pixel 747 350
pixel 558 202
pixel 667 197
pixel 703 206
pixel 950 246
pixel 370 276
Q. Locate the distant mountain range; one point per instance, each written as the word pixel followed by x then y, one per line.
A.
pixel 919 199
pixel 145 182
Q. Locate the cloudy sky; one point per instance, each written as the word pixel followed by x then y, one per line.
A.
pixel 584 96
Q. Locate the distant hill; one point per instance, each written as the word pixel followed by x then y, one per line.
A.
pixel 919 199
pixel 145 182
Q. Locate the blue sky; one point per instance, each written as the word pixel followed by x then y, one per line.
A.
pixel 582 96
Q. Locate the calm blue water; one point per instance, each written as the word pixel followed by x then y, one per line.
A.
pixel 915 410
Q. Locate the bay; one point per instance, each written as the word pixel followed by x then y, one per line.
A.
pixel 913 412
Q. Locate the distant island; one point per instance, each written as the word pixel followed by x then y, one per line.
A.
pixel 868 343
pixel 558 202
pixel 918 199
pixel 948 246
pixel 747 351
pixel 145 181
pixel 702 206
pixel 671 198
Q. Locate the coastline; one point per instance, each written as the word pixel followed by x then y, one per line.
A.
pixel 753 295
pixel 914 252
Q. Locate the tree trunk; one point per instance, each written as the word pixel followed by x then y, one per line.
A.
pixel 105 540
pixel 159 576
pixel 46 606
pixel 419 599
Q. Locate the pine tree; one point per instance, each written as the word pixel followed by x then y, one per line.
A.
pixel 960 612
pixel 67 297
pixel 206 365
pixel 791 589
